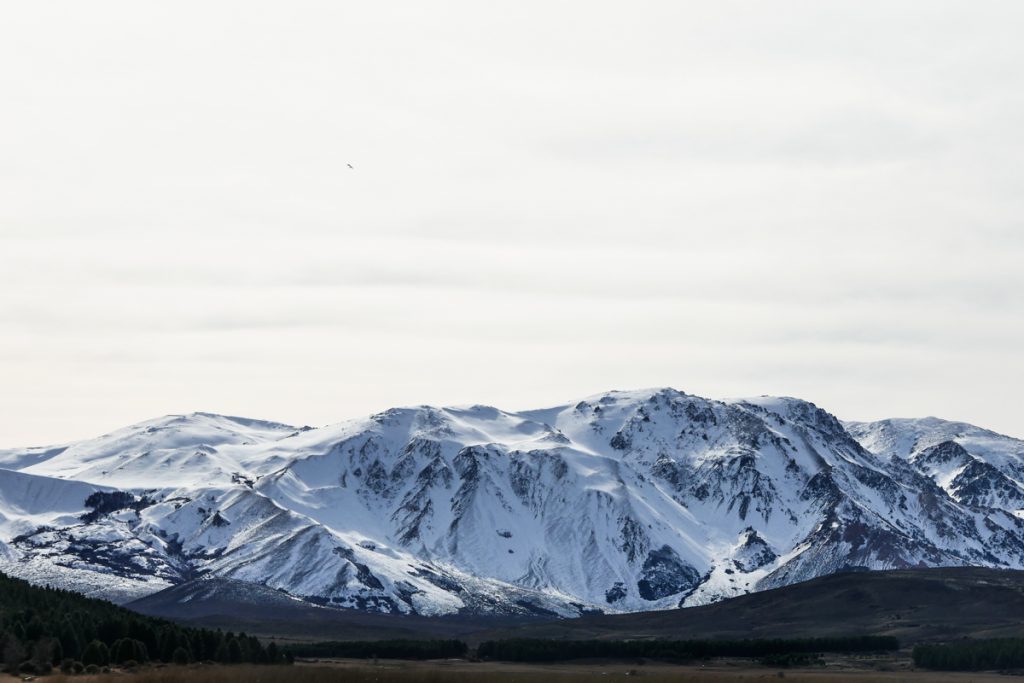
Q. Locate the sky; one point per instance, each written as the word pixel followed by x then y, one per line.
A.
pixel 549 200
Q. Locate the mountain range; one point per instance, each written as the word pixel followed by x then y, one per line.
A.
pixel 622 502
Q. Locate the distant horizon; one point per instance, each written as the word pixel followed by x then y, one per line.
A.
pixel 543 406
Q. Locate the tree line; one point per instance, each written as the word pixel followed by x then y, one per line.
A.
pixel 971 655
pixel 538 650
pixel 385 649
pixel 42 628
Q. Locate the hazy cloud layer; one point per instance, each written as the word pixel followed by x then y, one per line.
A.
pixel 548 200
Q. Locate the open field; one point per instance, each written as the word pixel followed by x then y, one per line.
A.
pixel 350 671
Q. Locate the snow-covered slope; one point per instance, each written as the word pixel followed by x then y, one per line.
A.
pixel 975 466
pixel 621 502
pixel 165 452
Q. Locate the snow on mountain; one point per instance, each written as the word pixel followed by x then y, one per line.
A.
pixel 28 501
pixel 623 501
pixel 974 466
pixel 168 451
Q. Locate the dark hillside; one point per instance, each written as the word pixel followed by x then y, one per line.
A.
pixel 917 605
pixel 43 627
pixel 230 604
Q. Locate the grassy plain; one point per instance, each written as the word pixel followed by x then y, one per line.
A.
pixel 893 670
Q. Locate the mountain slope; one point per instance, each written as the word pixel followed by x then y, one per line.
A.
pixel 915 605
pixel 175 449
pixel 621 502
pixel 974 466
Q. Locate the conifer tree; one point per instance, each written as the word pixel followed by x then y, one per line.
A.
pixel 96 653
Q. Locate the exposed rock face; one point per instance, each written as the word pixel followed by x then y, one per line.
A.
pixel 664 574
pixel 620 502
pixel 753 552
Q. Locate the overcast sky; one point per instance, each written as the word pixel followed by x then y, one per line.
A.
pixel 549 200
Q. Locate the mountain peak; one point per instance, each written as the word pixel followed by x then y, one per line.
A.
pixel 621 501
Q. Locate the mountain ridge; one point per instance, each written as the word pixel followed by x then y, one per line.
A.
pixel 623 501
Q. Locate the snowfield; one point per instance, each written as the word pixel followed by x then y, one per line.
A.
pixel 620 502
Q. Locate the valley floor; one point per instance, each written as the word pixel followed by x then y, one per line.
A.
pixel 893 670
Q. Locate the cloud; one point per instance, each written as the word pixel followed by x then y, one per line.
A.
pixel 547 201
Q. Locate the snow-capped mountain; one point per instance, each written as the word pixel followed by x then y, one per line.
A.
pixel 621 502
pixel 974 466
